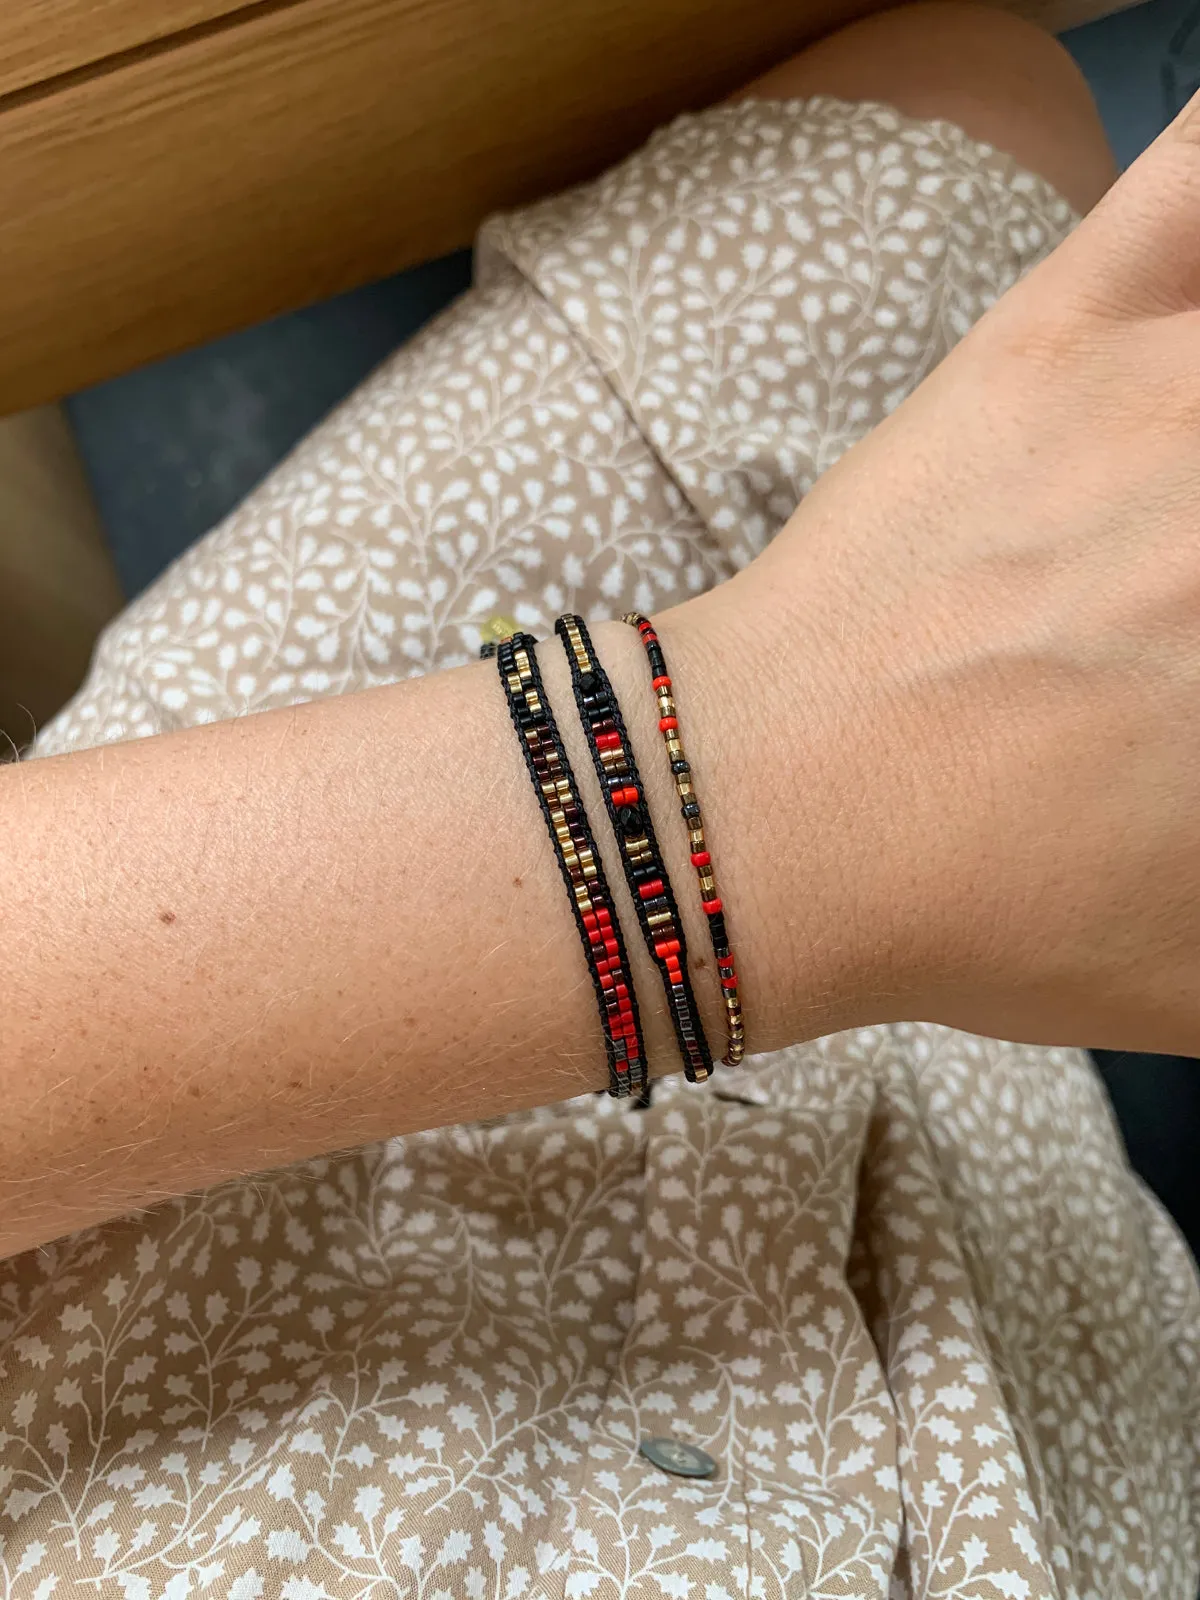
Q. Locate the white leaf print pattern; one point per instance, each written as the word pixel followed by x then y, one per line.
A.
pixel 900 1283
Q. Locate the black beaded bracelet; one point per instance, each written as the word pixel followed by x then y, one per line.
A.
pixel 645 871
pixel 578 860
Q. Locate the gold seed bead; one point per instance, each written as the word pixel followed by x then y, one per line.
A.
pixel 706 877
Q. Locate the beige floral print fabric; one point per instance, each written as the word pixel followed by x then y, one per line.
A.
pixel 900 1283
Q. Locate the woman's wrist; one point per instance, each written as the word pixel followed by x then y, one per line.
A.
pixel 780 737
pixel 249 943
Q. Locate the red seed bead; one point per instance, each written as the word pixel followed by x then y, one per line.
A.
pixel 650 891
pixel 665 948
pixel 571 835
pixel 668 723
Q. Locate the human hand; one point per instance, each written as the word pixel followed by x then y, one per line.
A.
pixel 983 634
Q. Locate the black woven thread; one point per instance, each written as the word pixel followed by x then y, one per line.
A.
pixel 594 700
pixel 622 1080
pixel 681 771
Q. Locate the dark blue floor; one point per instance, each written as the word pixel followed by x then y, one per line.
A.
pixel 1143 66
pixel 172 448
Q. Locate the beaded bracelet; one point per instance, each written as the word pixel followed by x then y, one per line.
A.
pixel 578 860
pixel 668 724
pixel 645 872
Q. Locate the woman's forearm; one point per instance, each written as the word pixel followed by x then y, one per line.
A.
pixel 943 730
pixel 228 949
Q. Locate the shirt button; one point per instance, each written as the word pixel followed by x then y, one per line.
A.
pixel 684 1460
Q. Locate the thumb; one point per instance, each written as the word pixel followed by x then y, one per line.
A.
pixel 1138 253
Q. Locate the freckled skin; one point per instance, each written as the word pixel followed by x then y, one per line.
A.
pixel 278 995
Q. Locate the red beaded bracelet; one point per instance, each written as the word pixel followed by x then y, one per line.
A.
pixel 645 871
pixel 578 859
pixel 714 911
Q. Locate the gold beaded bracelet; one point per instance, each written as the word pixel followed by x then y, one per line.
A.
pixel 714 911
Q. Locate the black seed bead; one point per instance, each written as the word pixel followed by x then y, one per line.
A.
pixel 641 858
pixel 547 764
pixel 698 1067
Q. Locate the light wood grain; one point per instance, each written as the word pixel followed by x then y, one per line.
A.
pixel 41 39
pixel 302 150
